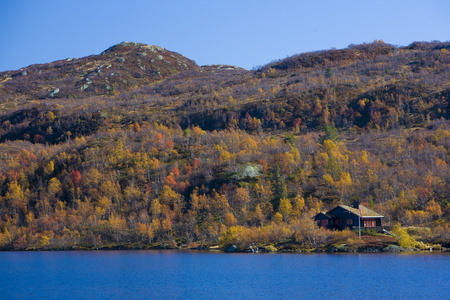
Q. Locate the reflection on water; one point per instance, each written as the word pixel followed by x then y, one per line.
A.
pixel 195 275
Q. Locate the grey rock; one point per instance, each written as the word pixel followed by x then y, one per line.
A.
pixel 54 92
pixel 231 248
pixel 394 248
pixel 248 171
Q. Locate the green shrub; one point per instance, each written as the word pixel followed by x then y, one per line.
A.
pixel 370 232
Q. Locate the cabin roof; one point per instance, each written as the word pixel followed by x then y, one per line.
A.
pixel 326 215
pixel 365 212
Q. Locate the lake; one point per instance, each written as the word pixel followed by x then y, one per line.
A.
pixel 199 275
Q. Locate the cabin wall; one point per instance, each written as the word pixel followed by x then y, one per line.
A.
pixel 340 219
pixel 322 221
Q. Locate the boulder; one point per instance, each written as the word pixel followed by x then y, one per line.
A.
pixel 54 92
pixel 394 248
pixel 248 171
pixel 231 249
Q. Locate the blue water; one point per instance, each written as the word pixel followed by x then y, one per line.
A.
pixel 194 275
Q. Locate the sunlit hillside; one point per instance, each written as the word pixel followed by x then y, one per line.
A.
pixel 140 147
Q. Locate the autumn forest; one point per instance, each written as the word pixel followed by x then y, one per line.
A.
pixel 139 147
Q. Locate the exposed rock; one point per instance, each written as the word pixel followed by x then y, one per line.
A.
pixel 121 59
pixel 54 92
pixel 154 49
pixel 231 248
pixel 339 248
pixel 249 171
pixel 252 249
pixel 395 248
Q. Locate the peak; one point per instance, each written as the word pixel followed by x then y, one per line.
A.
pixel 222 67
pixel 121 67
pixel 129 46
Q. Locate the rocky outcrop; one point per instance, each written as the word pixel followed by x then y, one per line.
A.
pixel 120 67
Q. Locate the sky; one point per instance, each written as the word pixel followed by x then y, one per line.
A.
pixel 244 33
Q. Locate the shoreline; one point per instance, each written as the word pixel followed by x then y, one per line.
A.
pixel 234 249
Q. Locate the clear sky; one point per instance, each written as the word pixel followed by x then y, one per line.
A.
pixel 244 33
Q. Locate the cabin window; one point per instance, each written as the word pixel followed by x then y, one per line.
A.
pixel 349 222
pixel 337 221
pixel 369 223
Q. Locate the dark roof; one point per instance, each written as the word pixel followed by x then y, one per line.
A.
pixel 327 216
pixel 366 212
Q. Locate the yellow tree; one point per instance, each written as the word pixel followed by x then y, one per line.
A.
pixel 49 168
pixel 285 209
pixel 155 209
pixel 15 197
pixel 54 187
pixel 298 204
pixel 344 185
pixel 171 199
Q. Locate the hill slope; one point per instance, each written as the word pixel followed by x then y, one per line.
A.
pixel 174 154
pixel 116 69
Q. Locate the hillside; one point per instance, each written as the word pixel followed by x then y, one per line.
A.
pixel 140 146
pixel 121 67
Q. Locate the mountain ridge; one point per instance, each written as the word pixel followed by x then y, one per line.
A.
pixel 135 64
pixel 201 155
pixel 217 96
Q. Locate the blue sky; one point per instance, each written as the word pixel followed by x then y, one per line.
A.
pixel 242 33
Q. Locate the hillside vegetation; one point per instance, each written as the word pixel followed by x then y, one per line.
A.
pixel 140 147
